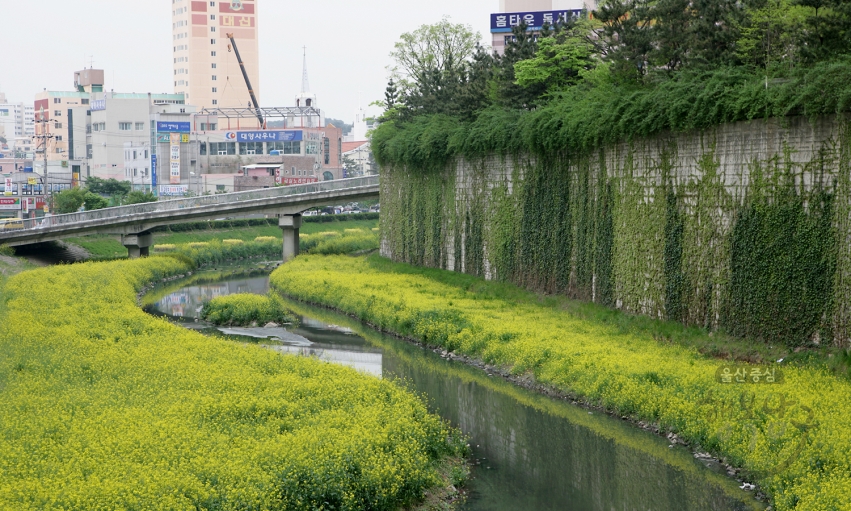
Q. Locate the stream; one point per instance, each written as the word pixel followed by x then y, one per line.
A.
pixel 530 452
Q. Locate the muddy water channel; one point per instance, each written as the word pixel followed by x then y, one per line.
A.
pixel 530 452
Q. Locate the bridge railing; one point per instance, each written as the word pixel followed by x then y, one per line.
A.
pixel 193 202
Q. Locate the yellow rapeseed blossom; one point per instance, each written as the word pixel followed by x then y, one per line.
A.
pixel 232 242
pixel 266 239
pixel 164 248
pixel 104 407
pixel 793 438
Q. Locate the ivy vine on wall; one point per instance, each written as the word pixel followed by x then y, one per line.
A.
pixel 680 227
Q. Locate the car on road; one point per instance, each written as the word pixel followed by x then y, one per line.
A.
pixel 11 224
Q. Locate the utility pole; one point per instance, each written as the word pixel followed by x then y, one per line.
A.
pixel 45 136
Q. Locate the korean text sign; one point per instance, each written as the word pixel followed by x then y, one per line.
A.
pixel 174 127
pixel 505 21
pixel 266 136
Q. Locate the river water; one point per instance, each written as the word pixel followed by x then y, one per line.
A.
pixel 530 452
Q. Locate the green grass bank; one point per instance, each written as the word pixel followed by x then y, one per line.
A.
pixel 790 436
pixel 104 247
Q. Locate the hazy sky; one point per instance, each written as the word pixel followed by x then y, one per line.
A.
pixel 348 41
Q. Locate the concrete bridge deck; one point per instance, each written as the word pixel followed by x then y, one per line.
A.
pixel 134 222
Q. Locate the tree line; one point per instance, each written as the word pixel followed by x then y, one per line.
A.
pixel 625 46
pixel 99 194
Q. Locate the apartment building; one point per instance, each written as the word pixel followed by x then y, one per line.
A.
pixel 17 124
pixel 206 70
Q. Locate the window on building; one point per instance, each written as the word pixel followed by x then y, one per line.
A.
pixel 212 41
pixel 58 125
pixel 57 113
pixel 220 188
pixel 312 148
pixel 327 151
pixel 223 148
pixel 247 148
pixel 284 147
pixel 212 29
pixel 140 126
pixel 212 4
pixel 146 157
pixel 125 126
pixel 213 126
pixel 59 138
pixel 214 78
pixel 215 89
pixel 215 101
pixel 212 16
pixel 214 65
pixel 212 54
pixel 84 102
pixel 57 100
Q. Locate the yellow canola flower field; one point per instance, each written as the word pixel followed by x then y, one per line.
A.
pixel 793 438
pixel 103 407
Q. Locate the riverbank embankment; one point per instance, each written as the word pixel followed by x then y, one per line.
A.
pixel 787 431
pixel 103 406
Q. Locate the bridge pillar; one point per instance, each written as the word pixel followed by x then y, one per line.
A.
pixel 290 224
pixel 138 245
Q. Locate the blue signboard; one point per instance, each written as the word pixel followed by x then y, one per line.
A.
pixel 505 21
pixel 98 105
pixel 174 127
pixel 265 136
pixel 153 171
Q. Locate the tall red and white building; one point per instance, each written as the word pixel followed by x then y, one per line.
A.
pixel 205 71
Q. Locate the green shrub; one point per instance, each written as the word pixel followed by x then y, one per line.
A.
pixel 245 309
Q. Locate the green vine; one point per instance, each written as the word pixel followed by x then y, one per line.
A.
pixel 652 227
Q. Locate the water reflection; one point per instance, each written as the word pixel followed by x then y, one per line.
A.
pixel 184 304
pixel 534 453
pixel 312 338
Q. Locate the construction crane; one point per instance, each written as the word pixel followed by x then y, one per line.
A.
pixel 257 111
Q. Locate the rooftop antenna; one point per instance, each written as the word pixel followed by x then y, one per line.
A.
pixel 305 84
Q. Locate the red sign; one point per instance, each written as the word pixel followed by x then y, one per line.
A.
pixel 13 204
pixel 289 181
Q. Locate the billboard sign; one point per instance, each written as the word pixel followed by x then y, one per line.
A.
pixel 175 159
pixel 265 136
pixel 97 105
pixel 7 186
pixel 174 127
pixel 10 204
pixel 153 171
pixel 289 181
pixel 173 191
pixel 505 21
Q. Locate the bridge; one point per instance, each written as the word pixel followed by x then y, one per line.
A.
pixel 134 223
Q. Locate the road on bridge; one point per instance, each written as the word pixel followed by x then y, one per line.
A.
pixel 135 222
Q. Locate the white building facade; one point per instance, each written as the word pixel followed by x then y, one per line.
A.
pixel 17 124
